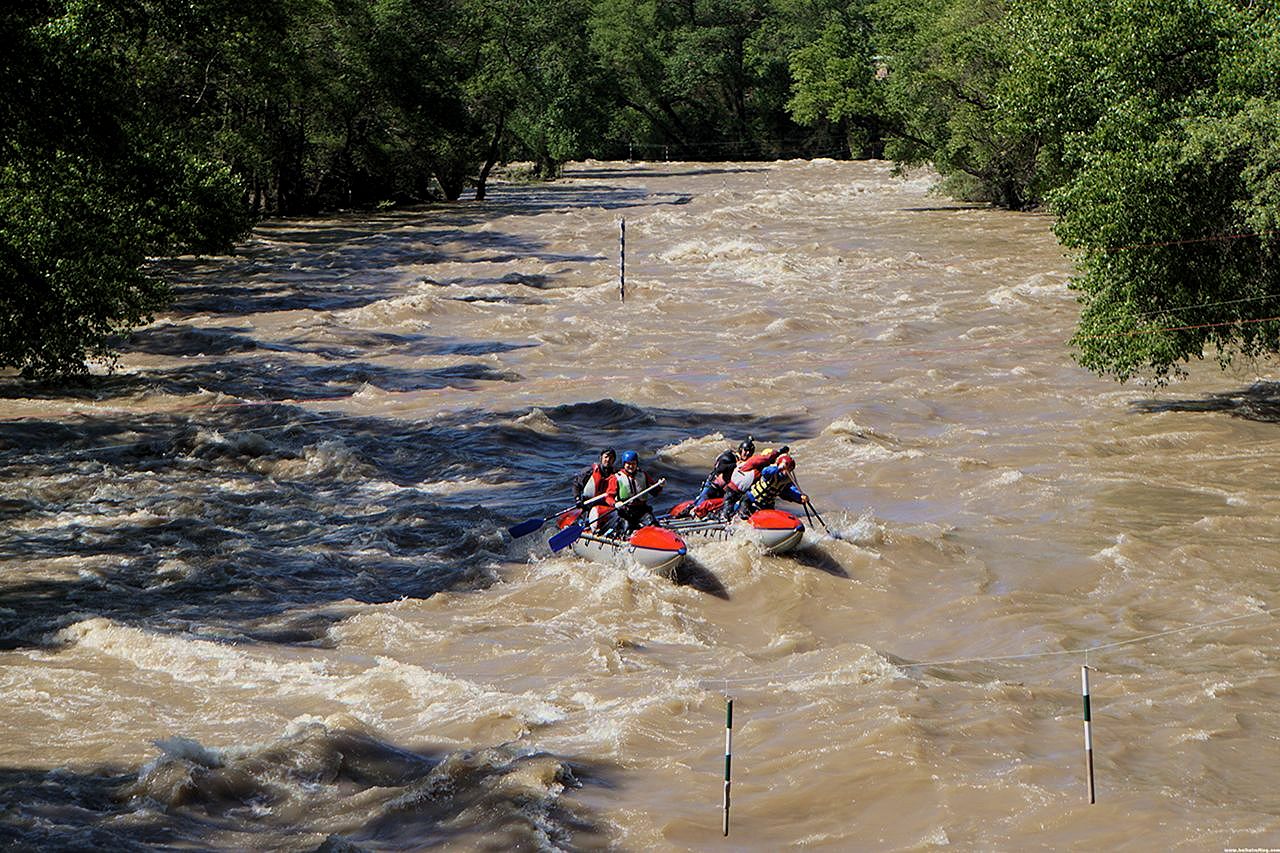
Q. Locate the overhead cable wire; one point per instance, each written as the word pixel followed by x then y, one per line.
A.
pixel 1082 651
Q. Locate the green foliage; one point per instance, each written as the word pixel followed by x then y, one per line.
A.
pixel 536 79
pixel 702 78
pixel 836 75
pixel 947 67
pixel 1166 119
pixel 1150 126
pixel 137 128
pixel 90 188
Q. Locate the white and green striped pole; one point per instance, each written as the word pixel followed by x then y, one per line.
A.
pixel 1088 729
pixel 622 259
pixel 728 757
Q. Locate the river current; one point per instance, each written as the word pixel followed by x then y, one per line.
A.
pixel 256 589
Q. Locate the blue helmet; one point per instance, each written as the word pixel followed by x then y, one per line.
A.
pixel 629 456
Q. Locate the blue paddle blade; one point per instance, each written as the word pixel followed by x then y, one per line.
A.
pixel 565 537
pixel 526 527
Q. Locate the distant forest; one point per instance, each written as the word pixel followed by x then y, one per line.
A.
pixel 143 128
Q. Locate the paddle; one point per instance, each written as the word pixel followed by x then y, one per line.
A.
pixel 809 507
pixel 529 525
pixel 570 534
pixel 834 534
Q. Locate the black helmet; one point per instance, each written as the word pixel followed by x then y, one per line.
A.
pixel 748 446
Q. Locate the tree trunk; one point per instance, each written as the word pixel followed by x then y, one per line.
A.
pixel 494 146
pixel 452 181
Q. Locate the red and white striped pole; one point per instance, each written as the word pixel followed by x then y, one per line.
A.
pixel 1088 729
pixel 728 757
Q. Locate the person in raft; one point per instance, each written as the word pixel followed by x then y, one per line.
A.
pixel 722 471
pixel 591 481
pixel 621 486
pixel 746 474
pixel 774 482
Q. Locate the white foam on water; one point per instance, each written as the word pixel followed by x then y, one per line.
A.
pixel 1006 477
pixel 194 661
pixel 700 250
pixel 849 426
pixel 864 453
pixel 1034 290
pixel 441 697
pixel 330 458
pixel 809 674
pixel 461 485
pixel 693 444
pixel 864 531
pixel 188 749
pixel 537 421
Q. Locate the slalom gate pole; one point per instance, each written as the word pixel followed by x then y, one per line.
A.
pixel 622 259
pixel 1088 730
pixel 728 757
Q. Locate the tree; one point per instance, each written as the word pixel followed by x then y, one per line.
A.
pixel 533 84
pixel 1149 126
pixel 947 64
pixel 835 73
pixel 701 77
pixel 562 108
pixel 89 188
pixel 1165 121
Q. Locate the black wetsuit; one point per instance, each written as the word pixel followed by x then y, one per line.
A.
pixel 721 473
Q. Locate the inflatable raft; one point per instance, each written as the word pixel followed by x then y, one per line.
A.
pixel 656 548
pixel 774 530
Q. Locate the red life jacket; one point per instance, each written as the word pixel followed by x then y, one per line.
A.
pixel 760 460
pixel 595 485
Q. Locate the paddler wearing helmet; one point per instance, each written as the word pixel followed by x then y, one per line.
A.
pixel 746 473
pixel 774 482
pixel 628 481
pixel 722 470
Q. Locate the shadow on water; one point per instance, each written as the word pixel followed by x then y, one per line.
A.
pixel 184 341
pixel 1259 402
pixel 330 789
pixel 813 557
pixel 252 523
pixel 694 574
pixel 536 199
pixel 359 259
pixel 947 208
pixel 501 299
pixel 266 379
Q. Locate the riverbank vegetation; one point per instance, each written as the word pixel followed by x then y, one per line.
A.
pixel 141 128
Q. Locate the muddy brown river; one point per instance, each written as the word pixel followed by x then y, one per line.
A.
pixel 256 589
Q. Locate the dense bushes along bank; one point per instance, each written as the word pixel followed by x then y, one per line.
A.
pixel 138 128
